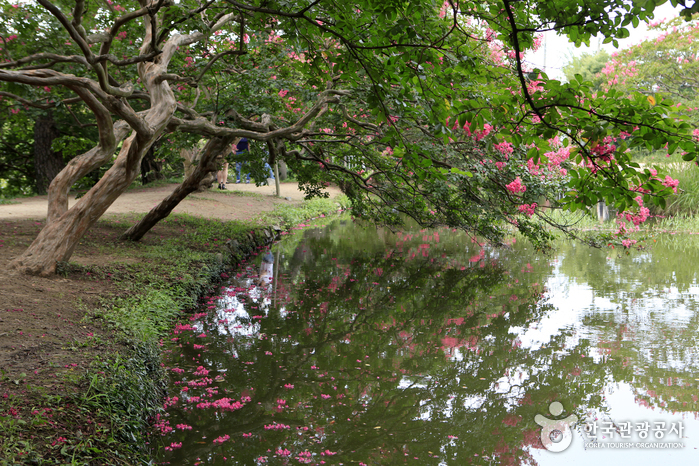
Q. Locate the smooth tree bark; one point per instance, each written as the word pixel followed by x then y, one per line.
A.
pixel 213 150
pixel 47 163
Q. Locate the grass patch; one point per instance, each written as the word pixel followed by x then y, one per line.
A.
pixel 155 184
pixel 4 201
pixel 677 223
pixel 287 216
pixel 102 422
pixel 228 192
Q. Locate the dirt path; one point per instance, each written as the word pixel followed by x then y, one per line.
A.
pixel 239 202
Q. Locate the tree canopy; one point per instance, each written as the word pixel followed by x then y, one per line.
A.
pixel 414 108
pixel 660 67
pixel 589 66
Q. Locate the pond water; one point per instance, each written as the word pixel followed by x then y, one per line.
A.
pixel 366 347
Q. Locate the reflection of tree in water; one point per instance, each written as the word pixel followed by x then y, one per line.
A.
pixel 399 353
pixel 652 331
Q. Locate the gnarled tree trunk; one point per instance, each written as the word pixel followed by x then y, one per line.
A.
pixel 207 164
pixel 65 227
pixel 57 240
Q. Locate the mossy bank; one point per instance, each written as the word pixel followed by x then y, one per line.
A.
pixel 91 397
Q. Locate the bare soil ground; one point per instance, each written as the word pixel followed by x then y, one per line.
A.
pixel 42 325
pixel 239 202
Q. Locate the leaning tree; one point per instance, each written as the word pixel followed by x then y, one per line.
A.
pixel 413 107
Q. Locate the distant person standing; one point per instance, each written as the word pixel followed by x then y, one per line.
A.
pixel 241 148
pixel 222 176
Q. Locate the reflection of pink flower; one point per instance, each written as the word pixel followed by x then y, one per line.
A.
pixel 276 426
pixel 221 439
pixel 511 420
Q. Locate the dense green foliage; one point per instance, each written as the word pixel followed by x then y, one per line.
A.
pixel 662 67
pixel 414 108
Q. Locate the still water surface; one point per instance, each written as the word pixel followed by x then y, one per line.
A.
pixel 366 347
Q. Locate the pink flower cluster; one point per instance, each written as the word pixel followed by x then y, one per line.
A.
pixel 505 148
pixel 170 402
pixel 162 425
pixel 516 186
pixel 527 209
pixel 304 457
pixel 179 328
pixel 223 404
pixel 670 183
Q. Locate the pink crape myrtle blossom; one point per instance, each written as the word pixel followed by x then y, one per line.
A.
pixel 221 439
pixel 505 148
pixel 527 209
pixel 670 183
pixel 628 242
pixel 516 186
